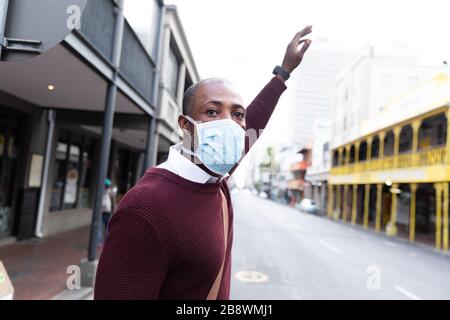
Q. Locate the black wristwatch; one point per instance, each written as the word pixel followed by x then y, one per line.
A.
pixel 281 72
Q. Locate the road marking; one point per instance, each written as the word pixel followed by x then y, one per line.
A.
pixel 410 295
pixel 298 228
pixel 412 254
pixel 390 244
pixel 330 247
pixel 252 277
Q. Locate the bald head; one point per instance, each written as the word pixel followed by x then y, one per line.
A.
pixel 189 95
pixel 209 100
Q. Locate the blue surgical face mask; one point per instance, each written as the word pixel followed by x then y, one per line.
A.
pixel 219 144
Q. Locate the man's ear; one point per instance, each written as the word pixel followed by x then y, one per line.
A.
pixel 188 132
pixel 184 124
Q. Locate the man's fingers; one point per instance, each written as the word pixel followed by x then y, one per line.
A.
pixel 307 30
pixel 306 44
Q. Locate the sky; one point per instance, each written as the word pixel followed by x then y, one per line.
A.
pixel 243 40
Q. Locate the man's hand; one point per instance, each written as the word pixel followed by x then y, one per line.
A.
pixel 294 54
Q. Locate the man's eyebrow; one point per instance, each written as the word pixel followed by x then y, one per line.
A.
pixel 239 106
pixel 217 102
pixel 221 103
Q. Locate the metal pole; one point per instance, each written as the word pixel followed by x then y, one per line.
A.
pixel 44 178
pixel 150 153
pixel 3 13
pixel 108 119
pixel 149 145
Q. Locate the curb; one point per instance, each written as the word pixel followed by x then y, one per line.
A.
pixel 85 293
pixel 425 247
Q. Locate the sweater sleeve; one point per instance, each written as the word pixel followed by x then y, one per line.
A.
pixel 133 263
pixel 260 110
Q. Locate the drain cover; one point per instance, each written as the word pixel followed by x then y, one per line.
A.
pixel 252 277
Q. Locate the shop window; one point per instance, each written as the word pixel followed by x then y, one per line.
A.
pixel 10 134
pixel 84 198
pixel 72 184
pixel 125 170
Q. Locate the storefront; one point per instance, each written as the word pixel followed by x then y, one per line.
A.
pixel 11 138
pixel 73 168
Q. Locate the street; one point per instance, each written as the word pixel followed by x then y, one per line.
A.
pixel 302 256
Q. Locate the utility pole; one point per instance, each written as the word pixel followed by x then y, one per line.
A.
pixel 108 119
pixel 150 152
pixel 89 268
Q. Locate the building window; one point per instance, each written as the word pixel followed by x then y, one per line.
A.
pixel 72 182
pixel 145 25
pixel 173 71
pixel 336 158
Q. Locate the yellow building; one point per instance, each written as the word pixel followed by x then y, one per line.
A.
pixel 395 176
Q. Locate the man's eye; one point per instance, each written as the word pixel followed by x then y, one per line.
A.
pixel 211 112
pixel 239 114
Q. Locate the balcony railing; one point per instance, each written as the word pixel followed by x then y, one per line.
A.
pixel 429 157
pixel 97 28
pixel 136 65
pixel 97 25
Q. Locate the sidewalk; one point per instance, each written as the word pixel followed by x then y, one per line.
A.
pixel 37 267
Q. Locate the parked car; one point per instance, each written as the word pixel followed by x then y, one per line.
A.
pixel 263 195
pixel 309 206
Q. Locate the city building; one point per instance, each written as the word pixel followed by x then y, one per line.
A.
pixel 317 173
pixel 363 130
pixel 393 176
pixel 178 72
pixel 298 185
pixel 86 109
pixel 285 157
pixel 268 168
pixel 312 90
pixel 368 82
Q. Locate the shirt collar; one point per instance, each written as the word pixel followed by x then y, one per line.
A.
pixel 181 166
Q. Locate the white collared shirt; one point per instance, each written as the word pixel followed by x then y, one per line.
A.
pixel 181 166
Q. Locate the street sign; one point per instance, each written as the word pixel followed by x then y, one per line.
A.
pixel 33 27
pixel 6 287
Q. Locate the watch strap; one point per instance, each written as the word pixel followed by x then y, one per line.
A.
pixel 281 72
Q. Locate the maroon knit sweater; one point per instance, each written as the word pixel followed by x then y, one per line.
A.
pixel 166 240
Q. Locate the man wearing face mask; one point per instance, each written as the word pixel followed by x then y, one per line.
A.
pixel 171 236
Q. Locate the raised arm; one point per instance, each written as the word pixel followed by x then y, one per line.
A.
pixel 260 110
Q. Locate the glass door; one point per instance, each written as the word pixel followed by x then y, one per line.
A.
pixel 9 154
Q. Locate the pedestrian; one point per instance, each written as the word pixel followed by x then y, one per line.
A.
pixel 107 210
pixel 172 234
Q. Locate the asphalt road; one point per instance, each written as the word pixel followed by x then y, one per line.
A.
pixel 301 256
